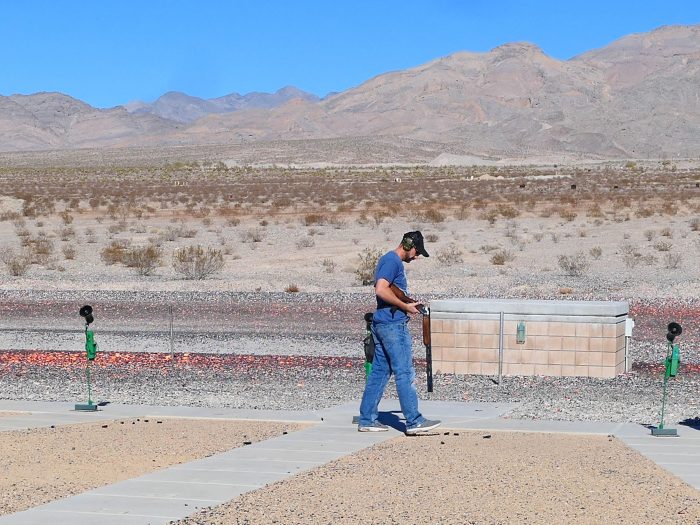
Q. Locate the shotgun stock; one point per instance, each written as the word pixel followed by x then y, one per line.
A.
pixel 399 293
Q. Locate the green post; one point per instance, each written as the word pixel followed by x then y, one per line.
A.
pixel 671 365
pixel 90 353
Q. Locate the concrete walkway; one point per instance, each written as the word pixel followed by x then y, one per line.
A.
pixel 176 492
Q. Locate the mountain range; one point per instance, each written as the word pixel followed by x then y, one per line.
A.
pixel 639 97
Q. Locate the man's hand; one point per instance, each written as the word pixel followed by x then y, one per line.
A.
pixel 411 308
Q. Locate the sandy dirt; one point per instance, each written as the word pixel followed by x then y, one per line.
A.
pixel 45 464
pixel 470 478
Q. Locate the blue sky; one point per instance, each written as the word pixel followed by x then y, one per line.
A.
pixel 108 52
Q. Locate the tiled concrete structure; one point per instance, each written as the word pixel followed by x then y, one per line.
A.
pixel 561 338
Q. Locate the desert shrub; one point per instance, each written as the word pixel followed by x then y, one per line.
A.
pixel 631 256
pixel 368 263
pixel 644 212
pixel 68 251
pixel 573 265
pixel 649 234
pixel 507 211
pixel 491 215
pixel 253 235
pixel 314 218
pixel 449 255
pixel 596 252
pixel 667 232
pixel 595 211
pixel 66 217
pixel 40 249
pixel 328 265
pixel 463 212
pixel 672 260
pixel 337 222
pixel 114 253
pixel 431 237
pixel 119 227
pixel 143 259
pixel 695 224
pixel 668 209
pixel 306 242
pixel 663 246
pixel 567 214
pixel 379 216
pixel 90 236
pixel 431 215
pixel 486 248
pixel 291 288
pixel 17 264
pixel 195 262
pixel 501 257
pixel 66 233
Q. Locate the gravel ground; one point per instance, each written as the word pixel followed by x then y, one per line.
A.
pixel 123 449
pixel 508 478
pixel 294 351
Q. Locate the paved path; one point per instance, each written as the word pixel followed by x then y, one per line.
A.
pixel 175 492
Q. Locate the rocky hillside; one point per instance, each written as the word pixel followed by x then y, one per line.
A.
pixel 636 98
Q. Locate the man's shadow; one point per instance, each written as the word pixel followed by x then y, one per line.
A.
pixel 391 419
pixel 693 423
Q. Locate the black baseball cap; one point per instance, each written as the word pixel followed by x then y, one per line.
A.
pixel 416 238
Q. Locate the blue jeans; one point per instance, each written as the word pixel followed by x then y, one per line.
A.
pixel 392 355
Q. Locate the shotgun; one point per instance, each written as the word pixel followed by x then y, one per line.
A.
pixel 401 295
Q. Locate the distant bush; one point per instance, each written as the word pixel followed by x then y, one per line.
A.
pixel 368 263
pixel 306 242
pixel 253 235
pixel 195 262
pixel 663 246
pixel 573 265
pixel 292 288
pixel 69 251
pixel 114 253
pixel 431 215
pixel 143 259
pixel 596 252
pixel 508 211
pixel 17 263
pixel 672 260
pixel 314 218
pixel 491 215
pixel 449 255
pixel 328 265
pixel 501 257
pixel 567 214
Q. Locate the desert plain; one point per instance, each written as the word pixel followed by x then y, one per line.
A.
pixel 275 319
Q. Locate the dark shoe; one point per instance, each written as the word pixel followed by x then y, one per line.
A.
pixel 424 426
pixel 375 426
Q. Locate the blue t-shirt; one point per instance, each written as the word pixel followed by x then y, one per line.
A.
pixel 390 267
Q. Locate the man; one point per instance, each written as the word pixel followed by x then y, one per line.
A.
pixel 393 354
